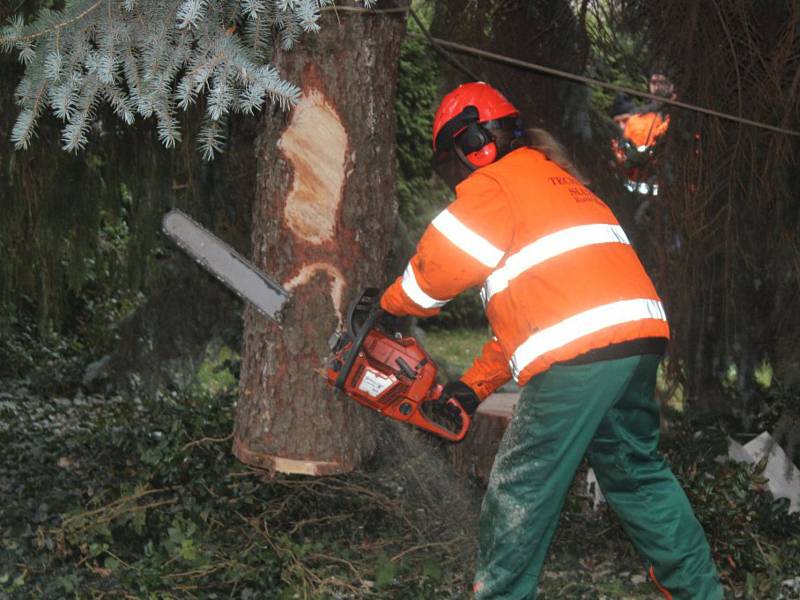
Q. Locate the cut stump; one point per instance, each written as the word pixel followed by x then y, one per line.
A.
pixel 474 456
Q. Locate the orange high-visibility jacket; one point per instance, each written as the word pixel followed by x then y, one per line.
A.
pixel 643 130
pixel 559 275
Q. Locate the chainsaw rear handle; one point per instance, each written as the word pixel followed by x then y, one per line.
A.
pixel 420 420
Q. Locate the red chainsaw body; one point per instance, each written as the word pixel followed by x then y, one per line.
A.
pixel 394 376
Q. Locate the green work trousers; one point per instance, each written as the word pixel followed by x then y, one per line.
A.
pixel 605 410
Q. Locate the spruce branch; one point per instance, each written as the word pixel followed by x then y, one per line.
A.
pixel 152 58
pixel 211 138
pixel 191 13
pixel 74 136
pixel 121 104
pixel 31 96
pixel 168 130
pixel 253 8
pixel 52 65
pixel 308 16
pixel 46 24
pixel 64 96
pixel 24 128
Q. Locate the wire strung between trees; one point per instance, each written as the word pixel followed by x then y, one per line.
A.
pixel 447 55
pixel 441 45
pixel 611 86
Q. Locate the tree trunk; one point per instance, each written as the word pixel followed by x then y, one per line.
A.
pixel 325 206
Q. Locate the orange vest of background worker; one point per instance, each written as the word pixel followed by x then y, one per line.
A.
pixel 636 151
pixel 576 322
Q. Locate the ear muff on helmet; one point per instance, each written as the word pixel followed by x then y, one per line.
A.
pixel 473 139
pixel 485 156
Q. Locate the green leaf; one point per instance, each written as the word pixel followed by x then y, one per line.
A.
pixel 138 522
pixel 189 550
pixel 750 585
pixel 432 570
pixel 385 573
pixel 96 549
pixel 175 535
pixel 111 563
pixel 68 583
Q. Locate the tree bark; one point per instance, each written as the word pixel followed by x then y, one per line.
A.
pixel 325 206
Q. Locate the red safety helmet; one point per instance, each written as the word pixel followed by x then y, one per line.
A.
pixel 467 113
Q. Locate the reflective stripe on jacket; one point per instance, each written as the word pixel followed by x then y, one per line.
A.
pixel 559 276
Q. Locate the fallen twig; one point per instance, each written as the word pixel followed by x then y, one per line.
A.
pixel 205 440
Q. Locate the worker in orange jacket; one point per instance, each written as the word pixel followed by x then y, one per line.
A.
pixel 576 322
pixel 643 131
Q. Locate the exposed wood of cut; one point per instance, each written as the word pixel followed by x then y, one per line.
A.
pixel 284 465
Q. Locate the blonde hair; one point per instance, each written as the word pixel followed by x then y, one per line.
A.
pixel 544 142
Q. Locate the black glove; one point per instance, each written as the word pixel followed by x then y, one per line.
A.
pixel 388 322
pixel 463 394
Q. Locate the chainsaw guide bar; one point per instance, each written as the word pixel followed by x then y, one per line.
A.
pixel 226 264
pixel 378 368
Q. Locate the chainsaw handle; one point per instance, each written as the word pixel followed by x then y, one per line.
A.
pixel 355 347
pixel 420 420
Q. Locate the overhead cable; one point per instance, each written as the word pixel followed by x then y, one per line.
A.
pixel 440 44
pixel 446 55
pixel 611 86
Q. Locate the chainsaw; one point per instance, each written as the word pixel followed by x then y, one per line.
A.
pixel 388 372
pixel 382 370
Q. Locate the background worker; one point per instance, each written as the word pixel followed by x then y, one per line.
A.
pixel 643 130
pixel 649 124
pixel 576 322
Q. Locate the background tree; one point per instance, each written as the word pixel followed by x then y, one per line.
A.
pixel 723 236
pixel 729 258
pixel 544 32
pixel 80 236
